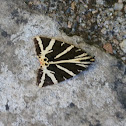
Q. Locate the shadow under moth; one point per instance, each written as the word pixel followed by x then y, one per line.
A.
pixel 58 60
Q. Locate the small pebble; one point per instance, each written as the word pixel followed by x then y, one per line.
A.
pixel 115 41
pixel 103 30
pixel 123 45
pixel 123 58
pixel 124 80
pixel 125 8
pixel 69 24
pixel 95 11
pixel 4 33
pixel 73 4
pixel 99 2
pixel 42 0
pixel 108 48
pixel 119 1
pixel 118 6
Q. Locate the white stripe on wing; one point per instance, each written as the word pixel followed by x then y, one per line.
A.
pixel 66 70
pixel 64 52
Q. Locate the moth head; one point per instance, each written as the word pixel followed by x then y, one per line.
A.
pixel 43 61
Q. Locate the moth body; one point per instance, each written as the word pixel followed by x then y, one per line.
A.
pixel 58 60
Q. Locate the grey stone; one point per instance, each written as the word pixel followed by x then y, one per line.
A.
pixel 99 2
pixel 123 45
pixel 118 6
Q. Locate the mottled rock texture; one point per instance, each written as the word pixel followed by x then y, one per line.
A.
pixel 95 97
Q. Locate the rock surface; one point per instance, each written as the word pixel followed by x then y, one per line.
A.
pixel 96 97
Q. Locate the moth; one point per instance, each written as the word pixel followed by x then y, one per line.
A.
pixel 58 60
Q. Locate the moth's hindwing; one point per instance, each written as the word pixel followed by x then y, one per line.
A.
pixel 59 61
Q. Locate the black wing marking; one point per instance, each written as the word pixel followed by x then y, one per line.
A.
pixel 38 50
pixel 39 76
pixel 59 61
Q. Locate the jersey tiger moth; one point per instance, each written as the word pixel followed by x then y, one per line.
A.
pixel 58 60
